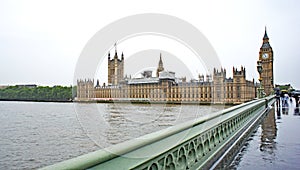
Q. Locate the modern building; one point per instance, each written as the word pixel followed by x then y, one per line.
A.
pixel 166 87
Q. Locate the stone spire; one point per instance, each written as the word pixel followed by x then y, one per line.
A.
pixel 266 35
pixel 266 44
pixel 160 66
pixel 116 54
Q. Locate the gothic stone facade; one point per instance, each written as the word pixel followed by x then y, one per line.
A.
pixel 115 69
pixel 266 58
pixel 165 87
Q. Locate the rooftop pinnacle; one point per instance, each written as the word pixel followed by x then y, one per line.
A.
pixel 266 35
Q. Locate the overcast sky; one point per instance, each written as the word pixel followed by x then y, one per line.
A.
pixel 40 41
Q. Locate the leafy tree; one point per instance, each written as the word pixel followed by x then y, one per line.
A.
pixel 40 93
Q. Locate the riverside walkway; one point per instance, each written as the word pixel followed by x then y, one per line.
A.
pixel 207 142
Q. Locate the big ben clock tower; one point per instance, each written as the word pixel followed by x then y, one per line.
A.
pixel 266 58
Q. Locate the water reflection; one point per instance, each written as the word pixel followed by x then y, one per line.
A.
pixel 275 144
pixel 287 106
pixel 36 134
pixel 109 124
pixel 269 133
pixel 297 111
pixel 130 121
pixel 278 112
pixel 296 97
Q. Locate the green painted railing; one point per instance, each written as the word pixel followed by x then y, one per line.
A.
pixel 196 144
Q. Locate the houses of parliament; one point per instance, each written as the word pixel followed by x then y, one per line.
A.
pixel 166 87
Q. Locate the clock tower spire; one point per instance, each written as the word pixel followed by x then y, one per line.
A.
pixel 266 35
pixel 266 58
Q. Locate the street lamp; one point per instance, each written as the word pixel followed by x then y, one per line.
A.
pixel 260 69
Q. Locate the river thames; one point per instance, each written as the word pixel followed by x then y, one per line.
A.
pixel 37 134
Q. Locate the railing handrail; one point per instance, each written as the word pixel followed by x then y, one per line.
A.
pixel 103 155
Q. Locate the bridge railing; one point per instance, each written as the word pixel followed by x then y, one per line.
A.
pixel 194 144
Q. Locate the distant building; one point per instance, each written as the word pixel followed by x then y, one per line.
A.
pixel 20 85
pixel 27 85
pixel 286 87
pixel 115 68
pixel 166 87
pixel 267 59
pixel 3 87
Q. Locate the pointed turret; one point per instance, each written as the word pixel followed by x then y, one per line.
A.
pixel 266 35
pixel 160 66
pixel 97 84
pixel 160 63
pixel 266 43
pixel 116 54
pixel 115 68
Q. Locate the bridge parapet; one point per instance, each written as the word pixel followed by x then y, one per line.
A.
pixel 199 143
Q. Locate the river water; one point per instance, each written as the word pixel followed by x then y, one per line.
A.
pixel 37 134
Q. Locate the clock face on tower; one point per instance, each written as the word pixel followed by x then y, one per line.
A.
pixel 265 56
